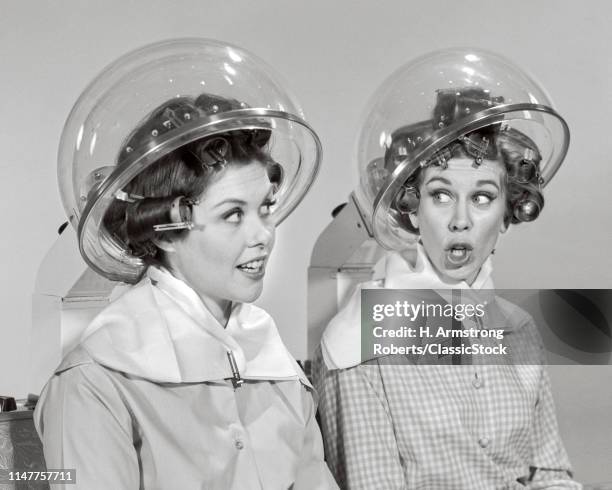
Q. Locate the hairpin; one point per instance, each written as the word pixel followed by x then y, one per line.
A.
pixel 478 150
pixel 180 215
pixel 441 158
pixel 183 225
pixel 125 197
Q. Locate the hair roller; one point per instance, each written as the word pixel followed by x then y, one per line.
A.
pixel 142 215
pixel 527 208
pixel 407 199
pixel 526 171
pixel 275 173
pixel 215 151
pixel 256 138
pixel 181 209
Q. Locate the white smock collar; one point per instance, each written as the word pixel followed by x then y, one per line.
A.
pixel 341 340
pixel 161 330
pixel 400 275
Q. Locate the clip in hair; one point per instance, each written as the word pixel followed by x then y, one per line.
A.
pixel 180 215
pixel 527 172
pixel 183 225
pixel 216 150
pixel 478 150
pixel 213 153
pixel 441 158
pixel 125 197
pixel 407 199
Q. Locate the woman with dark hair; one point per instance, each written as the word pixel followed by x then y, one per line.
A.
pixel 447 417
pixel 181 382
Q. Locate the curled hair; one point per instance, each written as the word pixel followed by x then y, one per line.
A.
pixel 521 157
pixel 515 150
pixel 518 153
pixel 182 173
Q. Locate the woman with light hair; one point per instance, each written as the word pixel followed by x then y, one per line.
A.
pixel 456 147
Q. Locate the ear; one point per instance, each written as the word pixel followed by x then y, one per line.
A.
pixel 504 227
pixel 414 220
pixel 164 244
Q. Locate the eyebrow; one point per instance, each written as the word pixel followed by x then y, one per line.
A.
pixel 479 183
pixel 238 202
pixel 441 179
pixel 487 181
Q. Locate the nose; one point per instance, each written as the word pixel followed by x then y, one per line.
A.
pixel 261 233
pixel 460 219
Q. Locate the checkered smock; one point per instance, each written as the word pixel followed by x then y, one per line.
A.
pixel 400 423
pixel 398 426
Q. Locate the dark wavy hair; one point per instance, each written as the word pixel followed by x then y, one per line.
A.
pixel 181 176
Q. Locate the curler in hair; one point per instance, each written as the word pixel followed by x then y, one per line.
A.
pixel 180 213
pixel 215 151
pixel 527 170
pixel 147 216
pixel 179 210
pixel 275 174
pixel 407 199
pixel 526 209
pixel 141 215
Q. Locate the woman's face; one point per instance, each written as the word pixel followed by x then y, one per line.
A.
pixel 460 215
pixel 224 256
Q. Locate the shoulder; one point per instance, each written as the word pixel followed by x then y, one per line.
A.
pixel 515 316
pixel 82 417
pixel 341 340
pixel 78 387
pixel 78 357
pixel 297 394
pixel 521 335
pixel 79 367
pixel 369 374
pixel 133 304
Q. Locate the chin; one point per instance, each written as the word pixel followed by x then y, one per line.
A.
pixel 248 296
pixel 459 275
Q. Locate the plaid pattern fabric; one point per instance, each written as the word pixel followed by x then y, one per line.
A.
pixel 398 426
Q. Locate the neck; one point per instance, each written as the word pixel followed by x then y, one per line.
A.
pixel 218 307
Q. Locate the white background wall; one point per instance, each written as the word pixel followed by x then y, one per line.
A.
pixel 333 55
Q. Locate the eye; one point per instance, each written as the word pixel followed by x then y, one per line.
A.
pixel 483 198
pixel 234 215
pixel 442 197
pixel 267 206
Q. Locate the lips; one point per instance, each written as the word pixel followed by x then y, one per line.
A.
pixel 254 268
pixel 458 255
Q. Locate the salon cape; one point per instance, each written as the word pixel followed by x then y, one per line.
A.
pixel 147 401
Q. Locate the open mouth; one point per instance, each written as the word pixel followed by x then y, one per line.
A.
pixel 458 254
pixel 254 268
